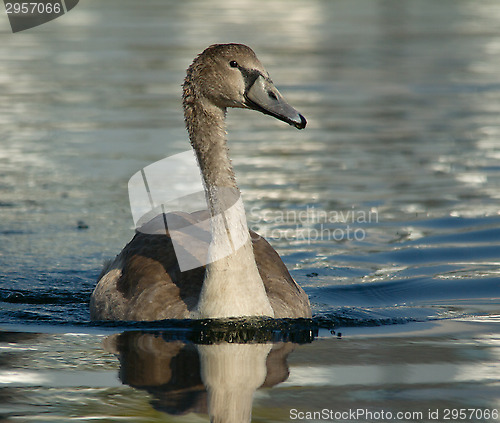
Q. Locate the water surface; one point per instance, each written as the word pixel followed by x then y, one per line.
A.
pixel 385 209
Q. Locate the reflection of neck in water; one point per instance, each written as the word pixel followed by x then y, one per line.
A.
pixel 232 373
pixel 218 378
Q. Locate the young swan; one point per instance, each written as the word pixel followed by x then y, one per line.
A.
pixel 144 281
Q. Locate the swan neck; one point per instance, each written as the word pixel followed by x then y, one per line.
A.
pixel 206 126
pixel 232 285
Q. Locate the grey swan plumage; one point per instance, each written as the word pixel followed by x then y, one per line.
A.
pixel 144 281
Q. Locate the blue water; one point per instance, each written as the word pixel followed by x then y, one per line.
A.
pixel 386 208
pixel 400 135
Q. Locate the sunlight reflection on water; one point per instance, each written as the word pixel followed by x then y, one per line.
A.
pixel 402 101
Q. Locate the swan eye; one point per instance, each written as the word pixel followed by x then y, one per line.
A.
pixel 233 63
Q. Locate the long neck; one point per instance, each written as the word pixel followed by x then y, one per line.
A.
pixel 207 132
pixel 232 286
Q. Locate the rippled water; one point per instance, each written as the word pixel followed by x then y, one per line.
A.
pixel 385 209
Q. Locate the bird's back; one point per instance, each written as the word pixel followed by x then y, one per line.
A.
pixel 145 282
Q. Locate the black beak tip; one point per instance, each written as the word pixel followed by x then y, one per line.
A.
pixel 302 124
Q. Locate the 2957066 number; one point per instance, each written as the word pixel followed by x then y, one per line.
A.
pixel 32 8
pixel 470 414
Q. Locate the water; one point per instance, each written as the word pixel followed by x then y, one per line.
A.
pixel 385 209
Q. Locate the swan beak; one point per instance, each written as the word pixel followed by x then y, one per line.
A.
pixel 264 97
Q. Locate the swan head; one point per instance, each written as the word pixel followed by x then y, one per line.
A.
pixel 231 75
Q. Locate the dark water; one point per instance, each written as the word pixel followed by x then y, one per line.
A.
pixel 385 209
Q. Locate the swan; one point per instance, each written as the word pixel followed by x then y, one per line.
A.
pixel 144 282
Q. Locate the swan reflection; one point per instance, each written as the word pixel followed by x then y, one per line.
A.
pixel 215 378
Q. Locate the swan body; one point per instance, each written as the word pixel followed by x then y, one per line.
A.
pixel 145 282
